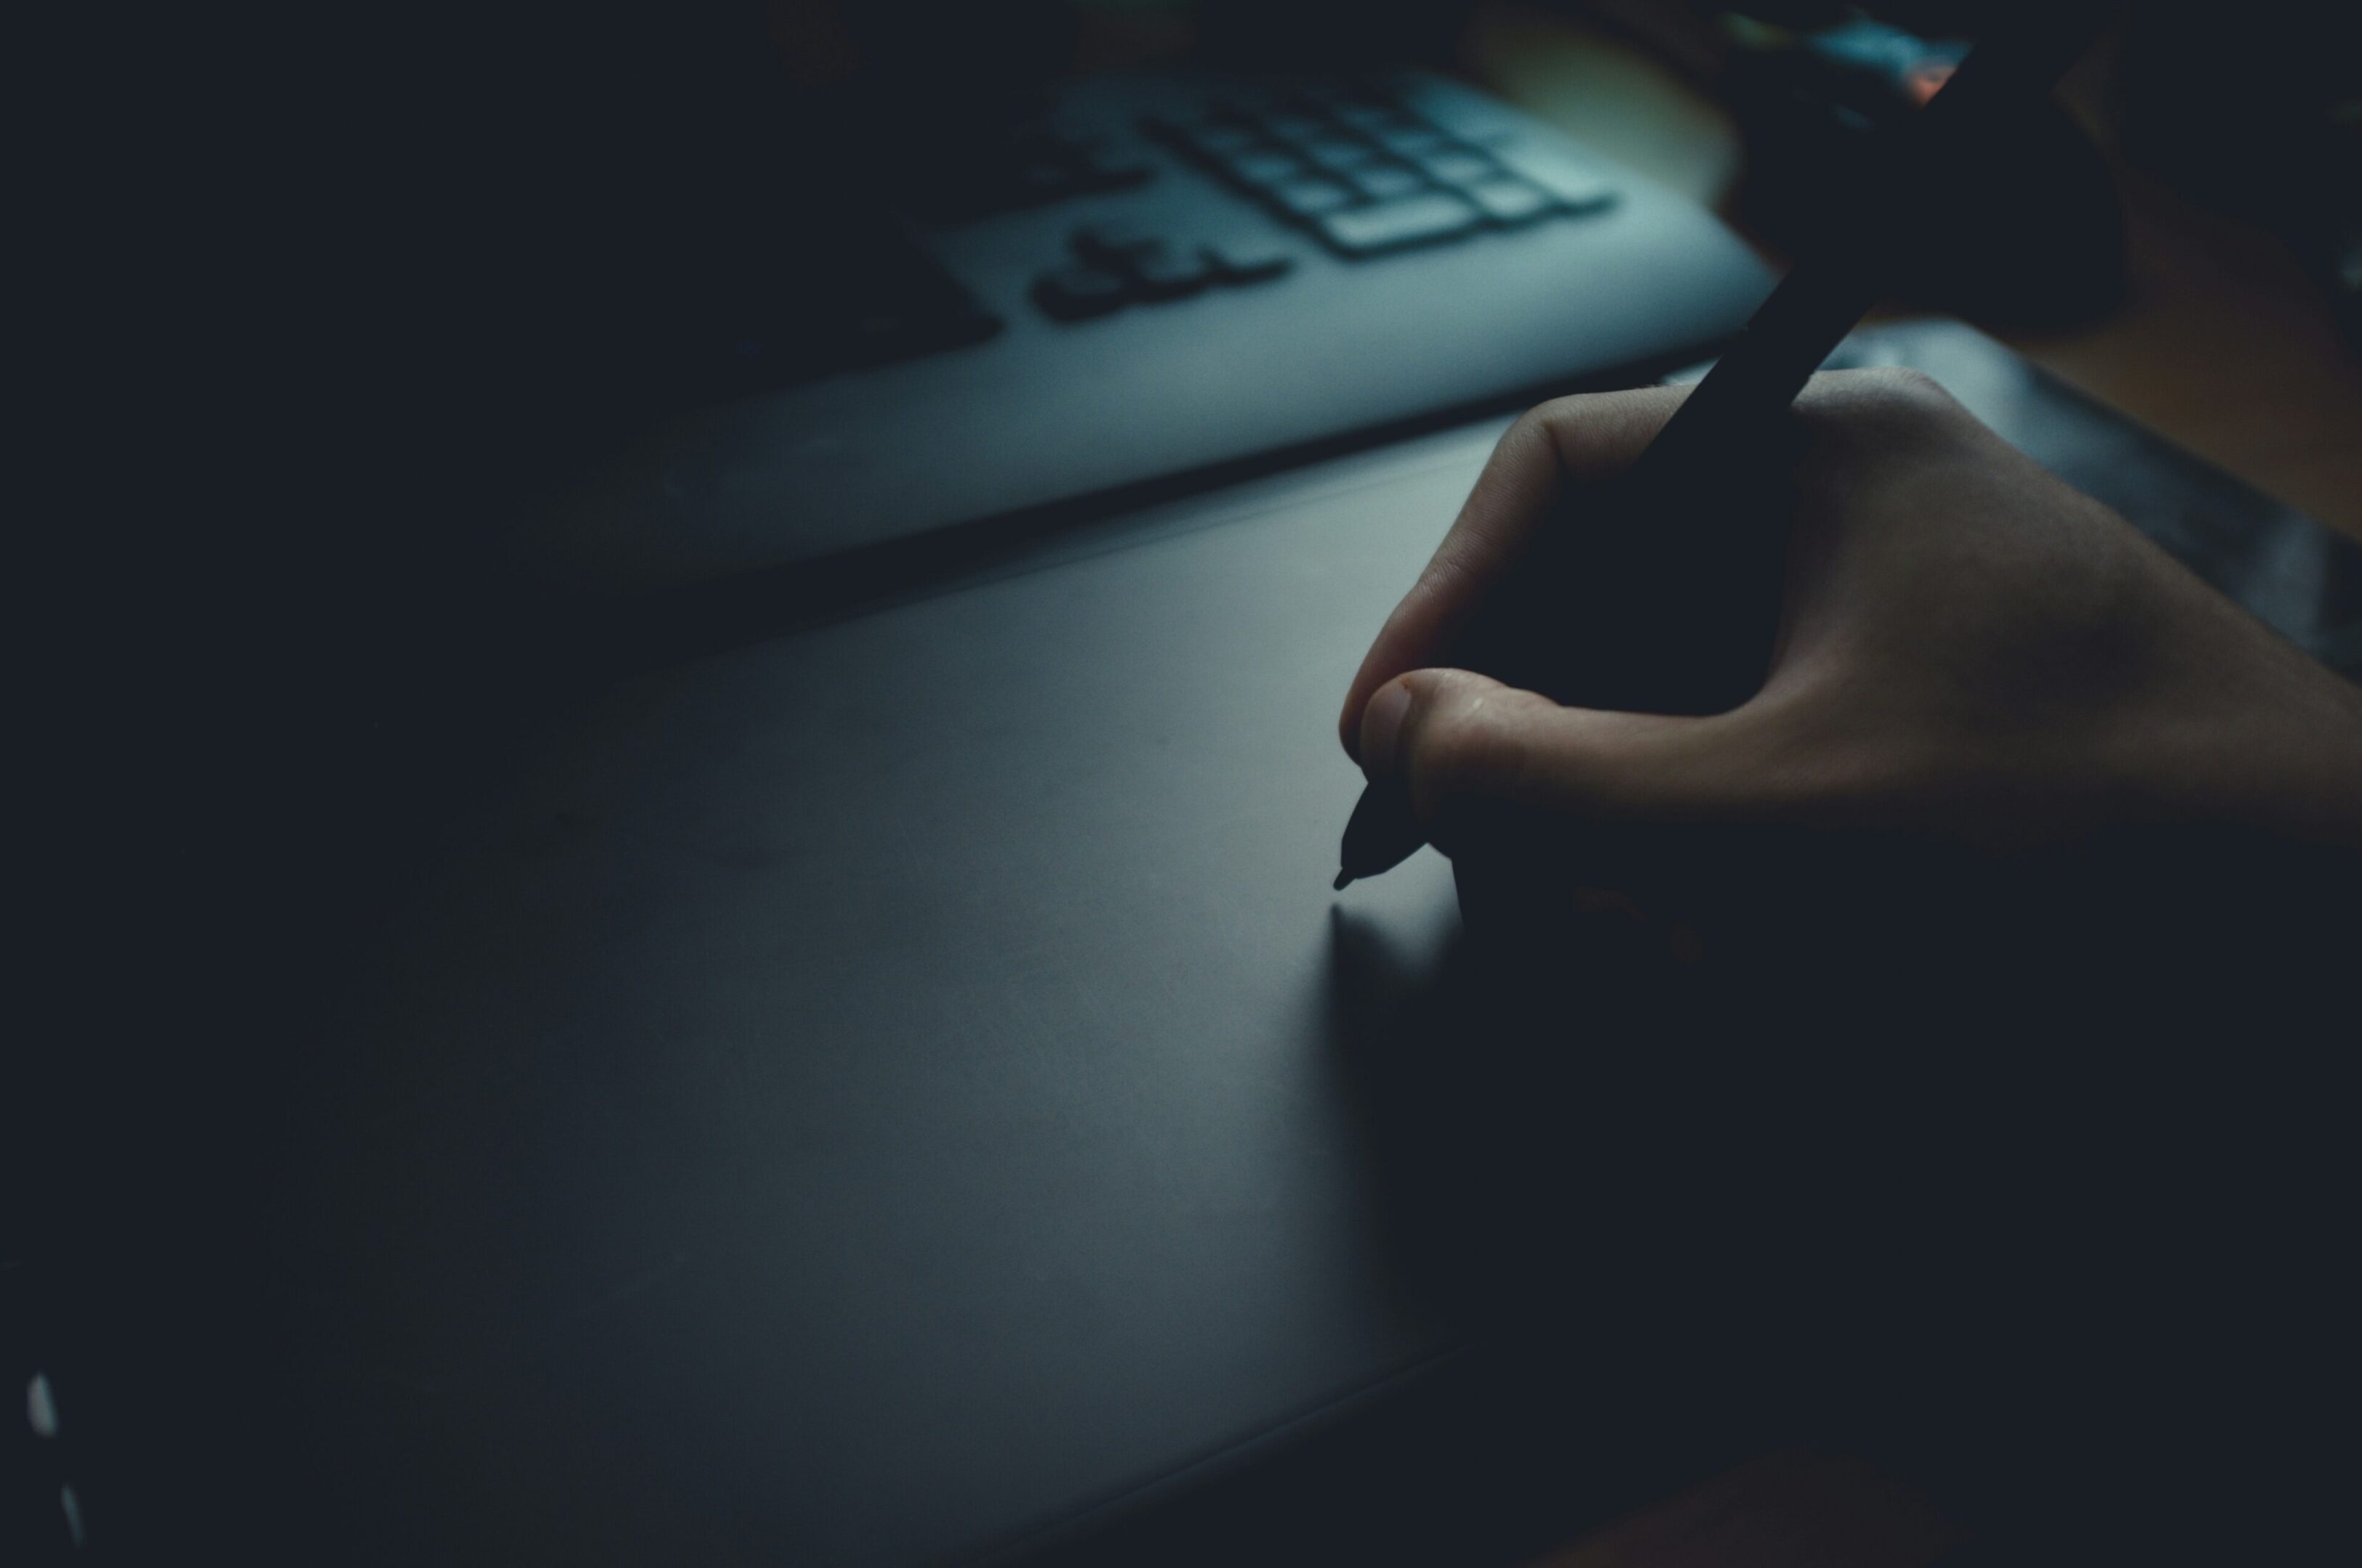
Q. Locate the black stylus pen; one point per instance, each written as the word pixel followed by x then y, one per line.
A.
pixel 1664 595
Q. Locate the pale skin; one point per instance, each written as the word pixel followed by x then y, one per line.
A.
pixel 1970 650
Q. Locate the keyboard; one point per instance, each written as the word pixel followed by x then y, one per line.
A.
pixel 1373 169
pixel 1359 168
pixel 1168 280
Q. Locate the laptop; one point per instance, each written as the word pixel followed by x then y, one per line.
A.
pixel 907 304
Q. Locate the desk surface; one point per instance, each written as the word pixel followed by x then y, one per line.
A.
pixel 873 1094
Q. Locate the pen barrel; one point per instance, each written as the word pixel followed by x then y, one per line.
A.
pixel 1658 591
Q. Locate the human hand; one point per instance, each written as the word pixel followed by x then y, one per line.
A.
pixel 1969 652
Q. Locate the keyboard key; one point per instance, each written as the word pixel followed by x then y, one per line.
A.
pixel 1507 201
pixel 1379 119
pixel 1410 138
pixel 1241 261
pixel 1111 244
pixel 1290 126
pixel 1339 154
pixel 1159 272
pixel 1264 166
pixel 1416 220
pixel 1575 183
pixel 1077 293
pixel 1309 197
pixel 1458 166
pixel 1385 182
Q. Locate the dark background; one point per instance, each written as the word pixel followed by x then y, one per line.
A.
pixel 311 303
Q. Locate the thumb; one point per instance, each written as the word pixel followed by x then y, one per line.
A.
pixel 1456 738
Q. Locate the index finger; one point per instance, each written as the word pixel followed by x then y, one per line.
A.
pixel 1549 454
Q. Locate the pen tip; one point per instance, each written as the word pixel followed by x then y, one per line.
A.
pixel 1342 877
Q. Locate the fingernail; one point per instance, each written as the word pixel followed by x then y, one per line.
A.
pixel 1380 724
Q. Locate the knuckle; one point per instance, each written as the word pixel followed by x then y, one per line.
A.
pixel 1536 421
pixel 1439 749
pixel 1878 418
pixel 1915 399
pixel 1904 384
pixel 1536 429
pixel 1546 419
pixel 1884 400
pixel 1580 423
pixel 1541 433
pixel 1467 741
